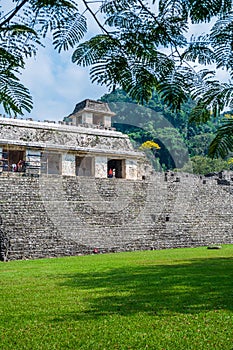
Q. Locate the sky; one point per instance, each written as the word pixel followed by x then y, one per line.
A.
pixel 56 84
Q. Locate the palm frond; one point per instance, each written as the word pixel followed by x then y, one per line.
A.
pixel 221 37
pixel 21 42
pixel 61 18
pixel 222 144
pixel 175 87
pixel 199 113
pixel 14 96
pixel 217 97
pixel 8 60
pixel 95 49
pixel 69 32
pixel 173 8
pixel 199 50
pixel 205 10
pixel 126 20
pixel 113 6
pixel 222 30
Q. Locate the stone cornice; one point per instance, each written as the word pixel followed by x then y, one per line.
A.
pixel 61 127
pixel 64 148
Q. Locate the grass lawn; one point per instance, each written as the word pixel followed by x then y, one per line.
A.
pixel 170 299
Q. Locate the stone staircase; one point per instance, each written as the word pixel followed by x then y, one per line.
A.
pixel 58 216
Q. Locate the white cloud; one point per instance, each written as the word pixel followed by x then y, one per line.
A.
pixel 57 84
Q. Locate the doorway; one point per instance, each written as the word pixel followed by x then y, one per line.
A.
pixel 116 167
pixel 12 157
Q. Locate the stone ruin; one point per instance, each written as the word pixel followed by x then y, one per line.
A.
pixel 84 144
pixel 63 202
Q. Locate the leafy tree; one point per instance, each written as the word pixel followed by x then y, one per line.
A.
pixel 203 165
pixel 21 32
pixel 223 142
pixel 199 144
pixel 142 47
pixel 155 121
pixel 147 49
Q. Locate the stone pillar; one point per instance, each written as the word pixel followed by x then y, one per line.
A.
pixel 68 164
pixel 101 167
pixel 33 161
pixel 131 169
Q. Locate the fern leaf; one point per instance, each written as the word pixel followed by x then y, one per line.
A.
pixel 69 32
pixel 222 144
pixel 14 96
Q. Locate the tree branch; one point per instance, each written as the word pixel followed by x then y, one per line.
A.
pixel 13 13
pixel 95 18
pixel 158 23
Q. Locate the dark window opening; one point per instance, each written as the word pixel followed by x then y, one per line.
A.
pixel 79 120
pixel 13 160
pixel 98 120
pixel 116 168
pixel 84 166
pixel 51 163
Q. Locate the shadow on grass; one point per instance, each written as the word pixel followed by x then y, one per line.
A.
pixel 200 285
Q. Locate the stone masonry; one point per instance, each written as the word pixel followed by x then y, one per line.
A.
pixel 79 186
pixel 52 216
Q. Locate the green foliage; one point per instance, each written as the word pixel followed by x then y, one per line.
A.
pixel 137 68
pixel 205 165
pixel 223 141
pixel 199 114
pixel 155 121
pixel 13 95
pixel 114 62
pixel 145 66
pixel 199 144
pixel 173 90
pixel 21 32
pixel 168 299
pixel 205 10
pixel 199 51
pixel 161 57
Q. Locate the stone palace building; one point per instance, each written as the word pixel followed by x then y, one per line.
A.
pixel 84 144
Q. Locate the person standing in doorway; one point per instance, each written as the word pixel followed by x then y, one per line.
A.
pixel 110 173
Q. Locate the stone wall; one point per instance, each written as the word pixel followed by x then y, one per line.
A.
pixel 65 142
pixel 66 137
pixel 60 215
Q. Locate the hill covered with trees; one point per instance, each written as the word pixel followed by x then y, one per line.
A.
pixel 183 144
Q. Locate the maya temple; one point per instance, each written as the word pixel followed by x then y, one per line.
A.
pixel 78 186
pixel 84 144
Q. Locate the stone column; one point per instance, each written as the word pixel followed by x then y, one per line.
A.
pixel 68 164
pixel 33 161
pixel 101 166
pixel 107 121
pixel 87 118
pixel 131 169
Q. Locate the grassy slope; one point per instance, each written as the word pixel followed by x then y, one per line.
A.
pixel 170 299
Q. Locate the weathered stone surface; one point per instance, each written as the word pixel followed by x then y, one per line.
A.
pixel 62 215
pixel 65 137
pixel 60 149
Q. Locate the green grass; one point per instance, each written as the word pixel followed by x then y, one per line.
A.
pixel 171 299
